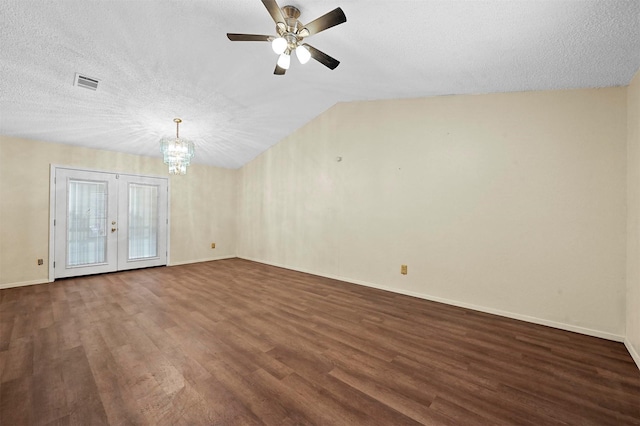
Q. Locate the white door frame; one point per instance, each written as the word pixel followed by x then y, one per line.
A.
pixel 52 208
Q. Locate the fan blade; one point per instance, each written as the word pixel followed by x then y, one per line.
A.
pixel 322 57
pixel 279 70
pixel 249 37
pixel 274 10
pixel 328 20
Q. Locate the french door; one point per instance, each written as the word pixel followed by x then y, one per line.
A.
pixel 106 222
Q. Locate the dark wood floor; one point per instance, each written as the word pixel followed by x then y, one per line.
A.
pixel 234 342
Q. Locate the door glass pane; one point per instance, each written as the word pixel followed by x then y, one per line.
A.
pixel 143 221
pixel 86 223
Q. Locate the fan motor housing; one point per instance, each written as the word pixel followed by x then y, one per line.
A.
pixel 291 24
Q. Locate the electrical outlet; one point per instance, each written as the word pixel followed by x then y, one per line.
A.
pixel 213 245
pixel 40 262
pixel 403 269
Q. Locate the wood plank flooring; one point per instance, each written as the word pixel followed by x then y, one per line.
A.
pixel 234 342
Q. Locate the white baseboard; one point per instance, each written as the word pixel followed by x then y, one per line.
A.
pixel 46 281
pixel 187 262
pixel 632 351
pixel 23 283
pixel 521 317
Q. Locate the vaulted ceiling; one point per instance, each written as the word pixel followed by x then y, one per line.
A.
pixel 160 59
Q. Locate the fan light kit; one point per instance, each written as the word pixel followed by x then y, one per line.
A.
pixel 291 33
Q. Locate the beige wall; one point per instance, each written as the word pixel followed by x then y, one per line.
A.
pixel 633 243
pixel 508 203
pixel 202 208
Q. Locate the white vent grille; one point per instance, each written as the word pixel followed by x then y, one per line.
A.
pixel 86 82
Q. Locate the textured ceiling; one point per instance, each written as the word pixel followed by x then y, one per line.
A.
pixel 163 59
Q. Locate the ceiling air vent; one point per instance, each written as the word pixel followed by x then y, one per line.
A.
pixel 86 82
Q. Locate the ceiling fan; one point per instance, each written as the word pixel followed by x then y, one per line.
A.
pixel 291 33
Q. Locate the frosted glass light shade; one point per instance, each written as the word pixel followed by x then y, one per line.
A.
pixel 303 54
pixel 279 45
pixel 177 154
pixel 284 61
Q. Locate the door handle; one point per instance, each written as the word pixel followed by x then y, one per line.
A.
pixel 114 229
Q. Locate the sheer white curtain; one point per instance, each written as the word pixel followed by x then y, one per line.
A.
pixel 87 223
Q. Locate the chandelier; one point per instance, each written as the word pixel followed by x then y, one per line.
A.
pixel 177 152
